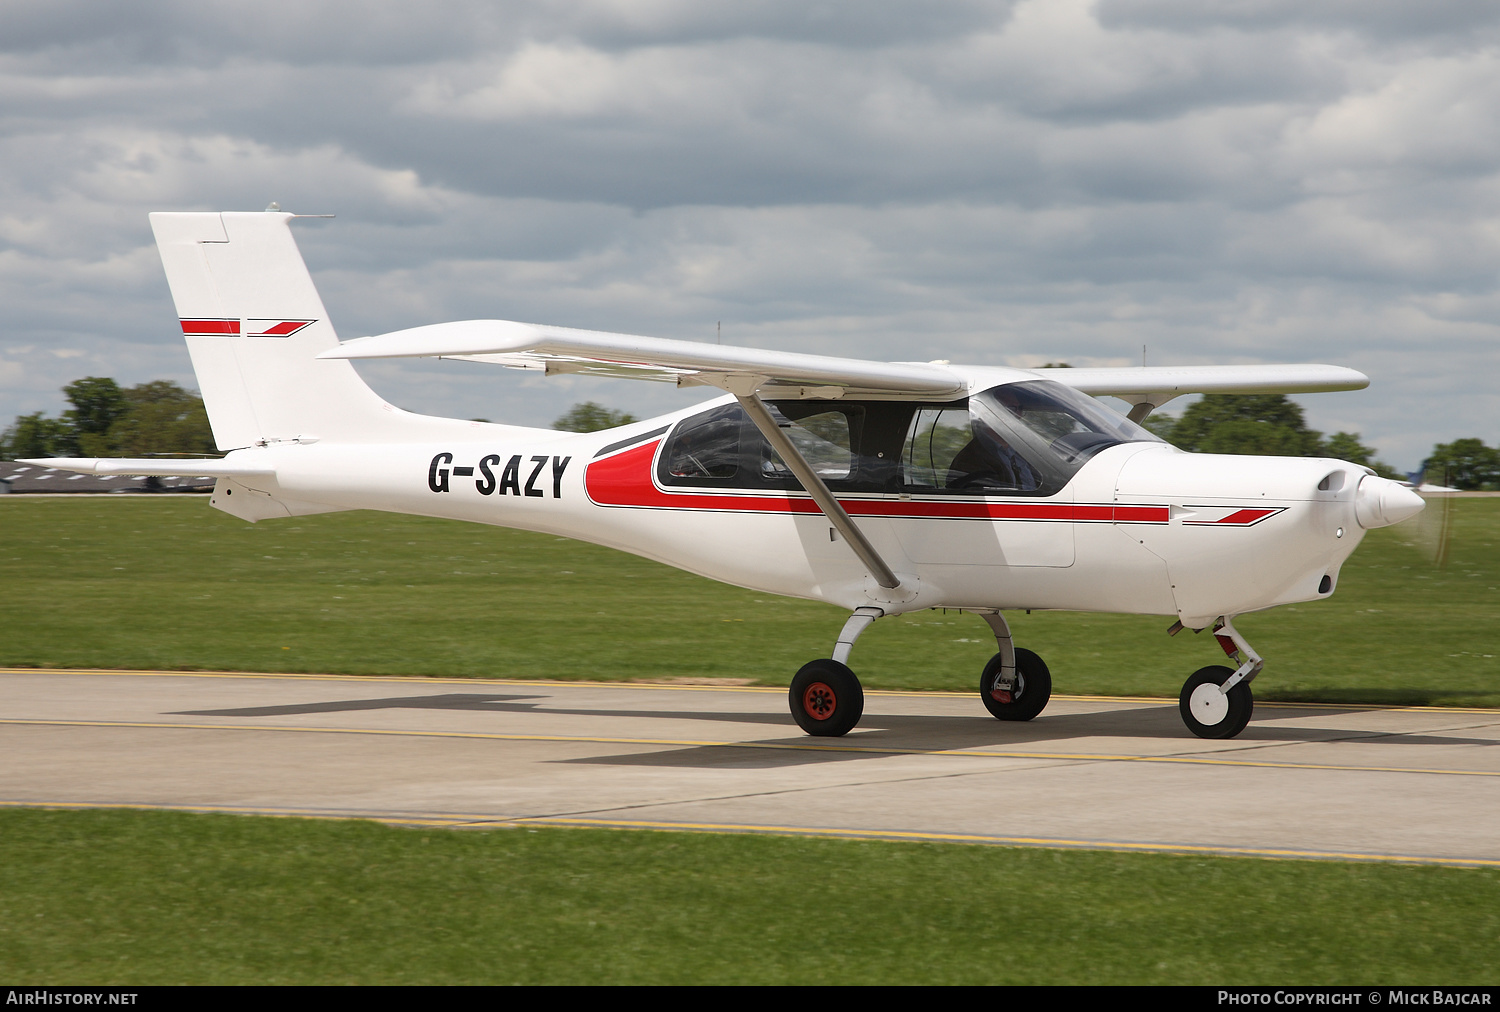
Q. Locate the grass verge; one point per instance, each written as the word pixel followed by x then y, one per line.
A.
pixel 112 897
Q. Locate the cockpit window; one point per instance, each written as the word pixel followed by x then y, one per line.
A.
pixel 933 441
pixel 822 437
pixel 1055 427
pixel 1077 425
pixel 1017 439
pixel 949 449
pixel 707 445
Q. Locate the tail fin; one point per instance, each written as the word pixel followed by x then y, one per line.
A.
pixel 254 325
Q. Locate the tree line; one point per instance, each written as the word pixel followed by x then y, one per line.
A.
pixel 106 420
pixel 160 417
pixel 1273 425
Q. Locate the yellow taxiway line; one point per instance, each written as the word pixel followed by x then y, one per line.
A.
pixel 437 820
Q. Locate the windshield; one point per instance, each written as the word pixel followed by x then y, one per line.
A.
pixel 1027 438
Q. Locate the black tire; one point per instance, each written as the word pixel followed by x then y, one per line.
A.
pixel 826 698
pixel 1208 717
pixel 1033 687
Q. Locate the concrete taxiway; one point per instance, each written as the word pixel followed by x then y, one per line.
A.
pixel 1303 780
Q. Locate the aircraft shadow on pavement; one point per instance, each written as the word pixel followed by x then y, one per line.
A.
pixel 447 701
pixel 904 735
pixel 726 757
pixel 897 732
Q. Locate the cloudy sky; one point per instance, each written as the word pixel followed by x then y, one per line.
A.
pixel 988 181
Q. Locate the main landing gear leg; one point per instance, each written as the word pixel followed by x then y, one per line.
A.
pixel 1015 685
pixel 826 698
pixel 1216 701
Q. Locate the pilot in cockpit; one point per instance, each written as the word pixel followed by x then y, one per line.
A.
pixel 989 461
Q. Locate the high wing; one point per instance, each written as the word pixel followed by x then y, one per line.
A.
pixel 1150 387
pixel 789 375
pixel 776 374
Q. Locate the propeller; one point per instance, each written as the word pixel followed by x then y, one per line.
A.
pixel 1431 529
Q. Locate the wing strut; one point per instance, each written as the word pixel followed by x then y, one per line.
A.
pixel 756 409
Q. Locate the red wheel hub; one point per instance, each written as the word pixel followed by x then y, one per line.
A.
pixel 819 701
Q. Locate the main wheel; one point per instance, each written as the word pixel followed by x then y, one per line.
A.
pixel 826 698
pixel 1208 711
pixel 1027 698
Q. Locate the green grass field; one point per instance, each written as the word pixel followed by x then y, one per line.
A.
pixel 172 583
pixel 167 898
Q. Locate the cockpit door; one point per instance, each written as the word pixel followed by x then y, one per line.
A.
pixel 970 497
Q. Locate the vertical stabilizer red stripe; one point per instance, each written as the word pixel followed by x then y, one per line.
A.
pixel 222 328
pixel 283 329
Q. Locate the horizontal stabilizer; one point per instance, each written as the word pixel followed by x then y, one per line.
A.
pixel 146 465
pixel 688 363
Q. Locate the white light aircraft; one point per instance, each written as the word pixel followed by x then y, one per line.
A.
pixel 882 487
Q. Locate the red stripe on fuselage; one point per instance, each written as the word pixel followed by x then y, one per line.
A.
pixel 1246 517
pixel 624 480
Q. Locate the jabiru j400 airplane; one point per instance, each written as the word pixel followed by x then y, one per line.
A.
pixel 882 487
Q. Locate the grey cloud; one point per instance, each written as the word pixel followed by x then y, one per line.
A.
pixel 1057 63
pixel 752 123
pixel 1467 21
pixel 675 22
pixel 77 36
pixel 390 33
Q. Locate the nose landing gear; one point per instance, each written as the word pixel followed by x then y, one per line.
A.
pixel 1215 701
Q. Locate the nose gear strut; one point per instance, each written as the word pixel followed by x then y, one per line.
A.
pixel 1216 701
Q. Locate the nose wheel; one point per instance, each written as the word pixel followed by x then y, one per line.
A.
pixel 1209 711
pixel 1216 701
